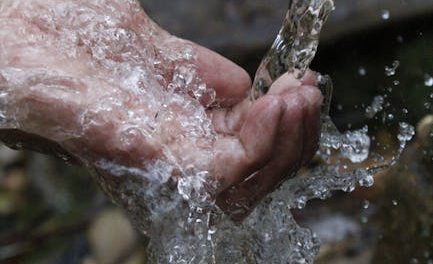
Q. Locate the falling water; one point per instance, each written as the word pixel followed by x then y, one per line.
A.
pixel 296 43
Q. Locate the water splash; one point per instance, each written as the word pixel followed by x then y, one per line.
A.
pixel 178 213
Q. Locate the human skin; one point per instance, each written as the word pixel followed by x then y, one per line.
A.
pixel 60 63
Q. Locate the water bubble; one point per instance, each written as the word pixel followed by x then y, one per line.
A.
pixel 364 219
pixel 385 14
pixel 183 75
pixel 391 70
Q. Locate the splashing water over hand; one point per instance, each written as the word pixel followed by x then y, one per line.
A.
pixel 145 120
pixel 162 123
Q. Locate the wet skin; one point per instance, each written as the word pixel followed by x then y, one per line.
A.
pixel 258 144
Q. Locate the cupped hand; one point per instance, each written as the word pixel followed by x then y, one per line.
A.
pixel 100 82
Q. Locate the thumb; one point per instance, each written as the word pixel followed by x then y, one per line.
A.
pixel 230 81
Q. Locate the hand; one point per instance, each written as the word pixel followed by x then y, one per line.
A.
pixel 105 85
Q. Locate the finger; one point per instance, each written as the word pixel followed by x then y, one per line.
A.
pixel 312 121
pixel 296 141
pixel 296 144
pixel 310 78
pixel 239 156
pixel 229 80
pixel 288 82
pixel 240 200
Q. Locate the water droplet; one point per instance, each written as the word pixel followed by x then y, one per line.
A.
pixel 364 219
pixel 18 145
pixel 367 181
pixel 376 106
pixel 385 14
pixel 406 133
pixel 414 261
pixel 63 157
pixel 428 80
pixel 390 117
pixel 391 70
pixel 400 39
pixel 394 202
pixel 349 188
pixel 362 71
pixel 356 145
pixel 301 202
pixel 366 204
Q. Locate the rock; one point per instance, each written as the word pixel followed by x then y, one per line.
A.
pixel 111 237
pixel 139 257
pixel 8 155
pixel 425 131
pixel 8 203
pixel 425 139
pixel 14 181
pixel 405 211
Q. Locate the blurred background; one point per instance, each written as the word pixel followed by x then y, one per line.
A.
pixel 52 212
